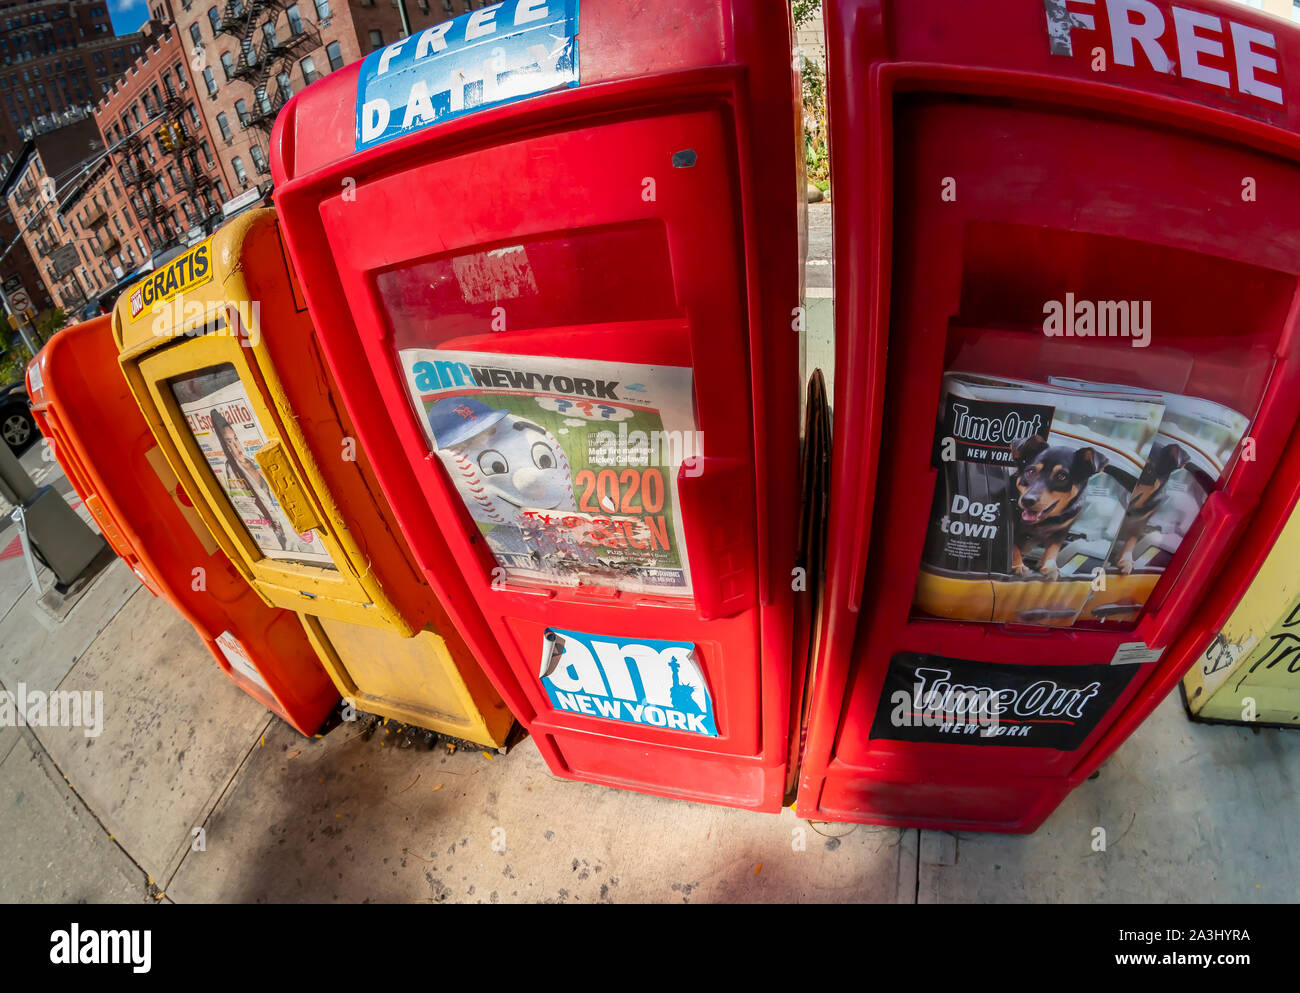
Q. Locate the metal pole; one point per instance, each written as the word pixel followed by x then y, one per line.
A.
pixel 27 340
pixel 16 486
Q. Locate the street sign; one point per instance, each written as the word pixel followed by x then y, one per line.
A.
pixel 241 202
pixel 20 307
pixel 64 259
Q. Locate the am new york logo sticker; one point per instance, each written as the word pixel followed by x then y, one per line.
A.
pixel 637 681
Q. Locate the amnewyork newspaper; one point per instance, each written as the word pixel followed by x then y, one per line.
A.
pixel 569 467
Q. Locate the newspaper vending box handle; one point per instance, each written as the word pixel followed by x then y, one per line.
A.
pixel 276 467
pixel 719 534
pixel 1199 557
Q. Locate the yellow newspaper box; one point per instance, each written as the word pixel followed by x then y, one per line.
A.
pixel 220 353
pixel 1250 673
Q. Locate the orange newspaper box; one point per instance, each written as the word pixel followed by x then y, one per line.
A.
pixel 101 440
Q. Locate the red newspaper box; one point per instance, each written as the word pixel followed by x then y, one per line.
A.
pixel 84 408
pixel 543 262
pixel 1067 385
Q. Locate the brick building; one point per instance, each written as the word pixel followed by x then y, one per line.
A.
pixel 163 151
pixel 47 164
pixel 155 184
pixel 250 56
pixel 57 58
pixel 183 126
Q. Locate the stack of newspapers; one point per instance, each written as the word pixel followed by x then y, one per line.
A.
pixel 1067 485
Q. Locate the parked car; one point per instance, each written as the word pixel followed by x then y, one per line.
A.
pixel 16 424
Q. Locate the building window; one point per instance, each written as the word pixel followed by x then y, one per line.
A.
pixel 214 19
pixel 196 35
pixel 376 38
pixel 322 9
pixel 259 159
pixel 241 111
pixel 309 72
pixel 295 20
pixel 207 152
pixel 268 34
pixel 237 164
pixel 335 53
pixel 224 124
pixel 228 64
pixel 284 85
pixel 210 81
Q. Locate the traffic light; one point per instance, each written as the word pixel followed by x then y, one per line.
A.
pixel 171 136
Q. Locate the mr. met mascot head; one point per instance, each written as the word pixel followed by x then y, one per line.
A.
pixel 501 463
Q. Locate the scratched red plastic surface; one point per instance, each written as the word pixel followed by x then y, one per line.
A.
pixel 1122 183
pixel 701 274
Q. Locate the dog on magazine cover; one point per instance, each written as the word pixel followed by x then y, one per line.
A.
pixel 1050 493
pixel 1147 496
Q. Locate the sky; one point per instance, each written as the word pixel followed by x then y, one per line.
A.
pixel 127 15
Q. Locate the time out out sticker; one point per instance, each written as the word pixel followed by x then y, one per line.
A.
pixel 930 698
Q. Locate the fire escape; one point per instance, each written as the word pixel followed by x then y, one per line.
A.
pixel 106 238
pixel 263 55
pixel 141 179
pixel 179 161
pixel 183 145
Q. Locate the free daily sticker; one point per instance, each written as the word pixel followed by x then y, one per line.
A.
pixel 643 681
pixel 490 56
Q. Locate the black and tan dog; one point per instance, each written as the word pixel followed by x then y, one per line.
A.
pixel 1049 497
pixel 1146 498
